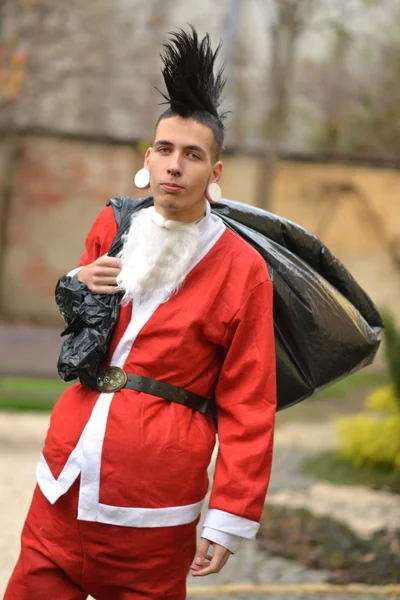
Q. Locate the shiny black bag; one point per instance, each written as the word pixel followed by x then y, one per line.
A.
pixel 326 326
pixel 90 317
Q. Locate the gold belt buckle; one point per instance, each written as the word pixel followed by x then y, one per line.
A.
pixel 111 380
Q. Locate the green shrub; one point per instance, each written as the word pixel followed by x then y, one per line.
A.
pixel 392 352
pixel 382 399
pixel 371 440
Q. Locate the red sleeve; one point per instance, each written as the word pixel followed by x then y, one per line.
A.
pixel 246 403
pixel 100 237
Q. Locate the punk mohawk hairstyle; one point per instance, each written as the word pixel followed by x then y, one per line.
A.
pixel 193 89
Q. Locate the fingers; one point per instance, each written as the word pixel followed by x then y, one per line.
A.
pixel 105 272
pixel 109 261
pixel 104 280
pixel 215 566
pixel 199 562
pixel 101 275
pixel 105 289
pixel 106 266
pixel 201 565
pixel 201 555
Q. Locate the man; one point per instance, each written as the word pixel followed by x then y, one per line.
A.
pixel 123 475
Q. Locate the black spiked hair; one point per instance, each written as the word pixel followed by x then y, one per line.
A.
pixel 193 90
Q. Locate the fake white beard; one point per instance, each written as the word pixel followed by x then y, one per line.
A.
pixel 155 256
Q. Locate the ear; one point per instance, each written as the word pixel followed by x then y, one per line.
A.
pixel 147 156
pixel 217 171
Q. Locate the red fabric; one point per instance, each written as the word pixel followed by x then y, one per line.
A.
pixel 100 237
pixel 217 329
pixel 216 333
pixel 246 407
pixel 66 559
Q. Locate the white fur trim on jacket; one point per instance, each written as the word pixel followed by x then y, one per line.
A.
pixel 232 524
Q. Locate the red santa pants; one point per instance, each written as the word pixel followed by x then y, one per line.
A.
pixel 66 559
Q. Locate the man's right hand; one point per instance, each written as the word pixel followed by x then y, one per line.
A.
pixel 101 275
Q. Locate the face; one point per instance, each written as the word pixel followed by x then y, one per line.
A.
pixel 181 166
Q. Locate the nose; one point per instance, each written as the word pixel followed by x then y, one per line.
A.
pixel 174 168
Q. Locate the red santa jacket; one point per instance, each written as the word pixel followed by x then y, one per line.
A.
pixel 142 460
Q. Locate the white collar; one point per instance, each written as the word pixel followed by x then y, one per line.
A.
pixel 201 224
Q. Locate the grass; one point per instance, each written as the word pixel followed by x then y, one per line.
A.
pixel 329 467
pixel 38 394
pixel 15 404
pixel 31 385
pixel 361 379
pixel 345 397
pixel 29 393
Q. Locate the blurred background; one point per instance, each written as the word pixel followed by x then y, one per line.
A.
pixel 313 135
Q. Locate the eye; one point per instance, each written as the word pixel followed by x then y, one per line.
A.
pixel 193 156
pixel 164 150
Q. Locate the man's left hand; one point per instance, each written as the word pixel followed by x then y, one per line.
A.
pixel 205 563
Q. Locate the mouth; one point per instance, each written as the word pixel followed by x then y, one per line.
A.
pixel 171 188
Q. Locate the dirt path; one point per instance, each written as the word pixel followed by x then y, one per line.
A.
pixel 21 439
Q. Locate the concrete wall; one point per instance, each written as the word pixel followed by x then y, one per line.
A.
pixel 58 186
pixel 356 223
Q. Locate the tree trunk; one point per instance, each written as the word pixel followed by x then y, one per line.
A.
pixel 291 18
pixel 284 36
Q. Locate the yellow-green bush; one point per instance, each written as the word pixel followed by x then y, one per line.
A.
pixel 382 399
pixel 392 352
pixel 371 440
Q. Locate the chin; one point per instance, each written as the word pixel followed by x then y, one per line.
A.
pixel 168 201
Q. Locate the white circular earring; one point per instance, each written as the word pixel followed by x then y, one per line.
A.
pixel 142 179
pixel 213 193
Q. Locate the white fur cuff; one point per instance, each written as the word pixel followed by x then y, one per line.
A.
pixel 228 523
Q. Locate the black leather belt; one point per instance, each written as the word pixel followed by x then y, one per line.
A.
pixel 113 379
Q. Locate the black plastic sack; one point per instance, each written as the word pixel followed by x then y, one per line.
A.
pixel 90 318
pixel 326 326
